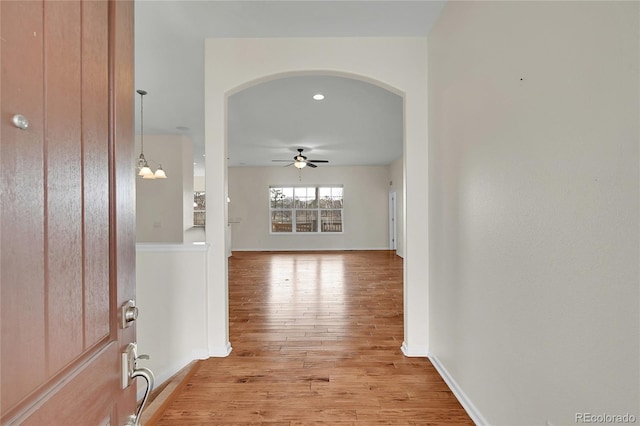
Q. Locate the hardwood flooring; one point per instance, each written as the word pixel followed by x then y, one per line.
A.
pixel 316 339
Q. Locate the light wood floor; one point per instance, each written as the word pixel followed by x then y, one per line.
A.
pixel 316 340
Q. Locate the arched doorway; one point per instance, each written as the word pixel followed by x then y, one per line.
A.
pixel 398 65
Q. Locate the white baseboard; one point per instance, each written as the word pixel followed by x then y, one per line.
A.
pixel 161 376
pixel 414 351
pixel 462 397
pixel 170 247
pixel 220 352
pixel 201 353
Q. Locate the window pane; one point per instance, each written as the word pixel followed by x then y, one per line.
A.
pixel 199 218
pixel 306 221
pixel 305 198
pixel 336 193
pixel 199 207
pixel 330 198
pixel 281 221
pixel 281 198
pixel 331 220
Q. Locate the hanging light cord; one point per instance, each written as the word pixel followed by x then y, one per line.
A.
pixel 142 93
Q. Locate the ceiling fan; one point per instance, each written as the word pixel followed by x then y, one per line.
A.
pixel 300 161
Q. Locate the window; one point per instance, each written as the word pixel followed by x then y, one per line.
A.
pixel 199 204
pixel 306 209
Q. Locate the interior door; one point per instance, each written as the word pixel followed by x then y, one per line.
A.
pixel 67 221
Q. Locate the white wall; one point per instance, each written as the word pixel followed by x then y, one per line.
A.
pixel 187 185
pixel 171 295
pixel 365 215
pixel 396 177
pixel 198 183
pixel 164 207
pixel 533 159
pixel 397 64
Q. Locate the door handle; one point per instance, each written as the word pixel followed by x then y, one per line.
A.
pixel 131 371
pixel 146 374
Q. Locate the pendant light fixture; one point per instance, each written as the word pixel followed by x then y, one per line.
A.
pixel 143 166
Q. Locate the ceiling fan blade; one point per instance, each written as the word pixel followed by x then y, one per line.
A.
pixel 287 165
pixel 299 158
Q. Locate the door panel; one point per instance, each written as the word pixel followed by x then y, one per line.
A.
pixel 22 195
pixel 63 189
pixel 95 118
pixel 67 186
pixel 91 387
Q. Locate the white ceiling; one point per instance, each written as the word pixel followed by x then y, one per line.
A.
pixel 357 123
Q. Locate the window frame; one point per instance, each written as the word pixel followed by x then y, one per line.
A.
pixel 294 210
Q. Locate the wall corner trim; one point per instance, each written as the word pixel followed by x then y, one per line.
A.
pixel 220 352
pixel 414 351
pixel 462 397
pixel 200 353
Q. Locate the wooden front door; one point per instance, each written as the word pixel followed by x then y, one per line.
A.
pixel 67 219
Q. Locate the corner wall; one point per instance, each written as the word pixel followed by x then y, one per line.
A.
pixel 533 195
pixel 171 294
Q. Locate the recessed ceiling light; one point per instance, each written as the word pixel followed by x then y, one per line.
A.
pixel 318 96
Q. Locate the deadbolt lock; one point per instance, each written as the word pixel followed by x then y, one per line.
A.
pixel 129 313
